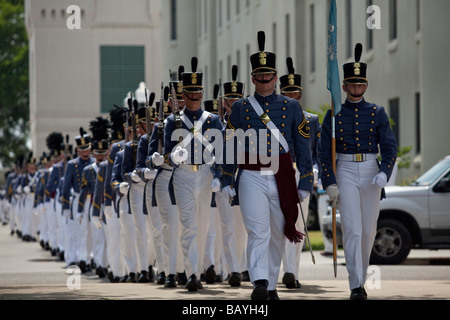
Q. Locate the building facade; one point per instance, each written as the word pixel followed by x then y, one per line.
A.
pixel 406 49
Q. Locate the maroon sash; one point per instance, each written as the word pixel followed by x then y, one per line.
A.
pixel 287 192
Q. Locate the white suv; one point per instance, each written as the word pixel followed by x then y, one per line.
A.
pixel 415 216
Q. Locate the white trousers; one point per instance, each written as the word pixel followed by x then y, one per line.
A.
pixel 27 215
pixel 264 221
pixel 128 246
pixel 193 196
pixel 112 237
pixel 61 223
pixel 97 243
pixel 359 207
pixel 292 251
pixel 170 226
pixel 142 223
pixel 52 224
pixel 83 232
pixel 227 223
pixel 155 229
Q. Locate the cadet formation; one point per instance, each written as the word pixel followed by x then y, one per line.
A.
pixel 184 191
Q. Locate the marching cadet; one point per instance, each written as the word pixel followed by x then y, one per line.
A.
pixel 231 223
pixel 128 239
pixel 291 86
pixel 139 210
pixel 39 201
pixel 118 118
pixel 70 195
pixel 147 176
pixel 362 129
pixel 94 246
pixel 54 190
pixel 267 193
pixel 54 142
pixel 103 194
pixel 174 268
pixel 234 91
pixel 28 186
pixel 188 148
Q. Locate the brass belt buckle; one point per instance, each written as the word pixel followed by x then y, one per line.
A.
pixel 195 167
pixel 358 157
pixel 265 118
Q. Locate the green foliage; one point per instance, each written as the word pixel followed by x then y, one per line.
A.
pixel 14 93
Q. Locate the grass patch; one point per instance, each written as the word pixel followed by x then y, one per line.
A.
pixel 316 239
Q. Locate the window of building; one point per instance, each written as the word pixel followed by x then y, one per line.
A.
pixel 394 109
pixel 288 35
pixel 238 6
pixel 122 68
pixel 418 15
pixel 274 37
pixel 392 19
pixel 173 19
pixel 312 39
pixel 369 31
pixel 348 28
pixel 418 146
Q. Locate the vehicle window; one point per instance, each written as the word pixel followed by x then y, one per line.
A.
pixel 444 184
pixel 431 175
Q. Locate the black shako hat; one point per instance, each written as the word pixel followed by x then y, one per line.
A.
pixel 355 72
pixel 192 81
pixel 233 89
pixel 291 82
pixel 263 62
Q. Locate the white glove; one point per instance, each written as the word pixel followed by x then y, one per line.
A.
pixel 108 210
pixel 19 189
pixel 79 217
pixel 149 174
pixel 123 187
pixel 135 177
pixel 96 221
pixel 333 194
pixel 380 179
pixel 215 185
pixel 66 213
pixel 26 189
pixel 228 192
pixel 179 155
pixel 157 159
pixel 303 194
pixel 315 173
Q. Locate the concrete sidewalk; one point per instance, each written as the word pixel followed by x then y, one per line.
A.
pixel 27 272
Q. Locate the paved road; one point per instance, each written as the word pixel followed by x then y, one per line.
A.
pixel 27 272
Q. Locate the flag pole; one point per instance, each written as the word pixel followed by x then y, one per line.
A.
pixel 333 163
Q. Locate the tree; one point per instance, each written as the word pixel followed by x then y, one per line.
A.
pixel 14 92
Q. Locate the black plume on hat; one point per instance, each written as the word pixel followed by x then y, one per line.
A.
pixel 358 52
pixel 290 65
pixel 261 40
pixel 54 141
pixel 194 64
pixel 100 128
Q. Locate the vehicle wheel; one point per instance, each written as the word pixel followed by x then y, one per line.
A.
pixel 392 243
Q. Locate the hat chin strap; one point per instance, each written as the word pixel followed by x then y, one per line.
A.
pixel 265 81
pixel 190 98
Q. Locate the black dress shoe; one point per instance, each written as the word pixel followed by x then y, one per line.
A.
pixel 161 278
pixel 116 279
pixel 170 281
pixel 124 279
pixel 289 280
pixel 273 295
pixel 298 284
pixel 182 279
pixel 364 293
pixel 110 276
pixel 210 275
pixel 260 290
pixel 82 266
pixel 143 277
pixel 151 274
pixel 193 284
pixel 132 277
pixel 235 279
pixel 358 294
pixel 245 276
pixel 101 272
